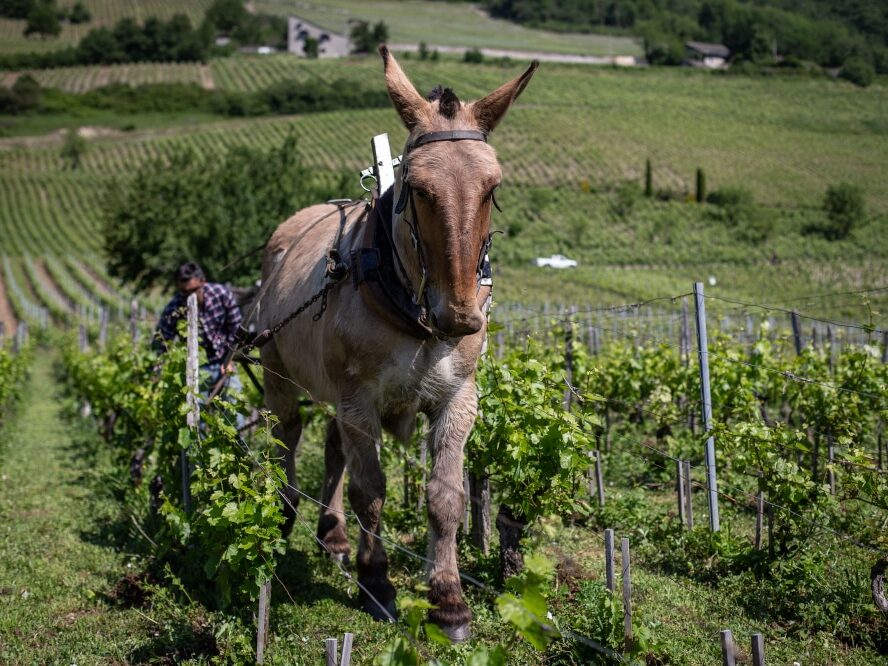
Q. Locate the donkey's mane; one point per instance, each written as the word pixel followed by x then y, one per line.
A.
pixel 448 102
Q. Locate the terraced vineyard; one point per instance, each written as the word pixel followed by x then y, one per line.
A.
pixel 104 13
pixel 574 136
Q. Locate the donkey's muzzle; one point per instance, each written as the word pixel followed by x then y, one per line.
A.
pixel 457 322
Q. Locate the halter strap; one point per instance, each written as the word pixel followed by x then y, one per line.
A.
pixel 452 135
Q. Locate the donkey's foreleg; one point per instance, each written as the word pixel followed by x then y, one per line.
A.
pixel 450 427
pixel 359 426
pixel 331 523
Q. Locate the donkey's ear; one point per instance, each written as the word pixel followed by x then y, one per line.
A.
pixel 490 110
pixel 408 103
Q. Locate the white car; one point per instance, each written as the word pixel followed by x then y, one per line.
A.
pixel 556 261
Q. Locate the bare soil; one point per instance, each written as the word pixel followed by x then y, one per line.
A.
pixel 6 315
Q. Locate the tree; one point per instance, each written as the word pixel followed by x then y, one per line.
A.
pixel 214 208
pixel 100 47
pixel 43 20
pixel 310 48
pixel 227 15
pixel 27 92
pixel 16 9
pixel 365 39
pixel 73 148
pixel 79 13
pixel 844 206
pixel 858 71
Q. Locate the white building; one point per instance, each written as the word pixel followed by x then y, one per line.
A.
pixel 330 44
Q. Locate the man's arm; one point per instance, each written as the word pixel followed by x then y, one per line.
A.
pixel 166 325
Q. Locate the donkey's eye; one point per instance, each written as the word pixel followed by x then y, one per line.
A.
pixel 489 195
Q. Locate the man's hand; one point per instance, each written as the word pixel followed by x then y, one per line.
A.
pixel 228 368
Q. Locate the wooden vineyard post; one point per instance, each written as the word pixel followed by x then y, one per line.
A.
pixel 191 379
pixel 346 649
pixel 796 332
pixel 727 643
pixel 467 493
pixel 689 505
pixel 680 490
pixel 627 594
pixel 103 328
pixel 569 357
pixel 759 517
pixel 684 340
pixel 703 351
pixel 331 649
pixel 2 332
pixel 423 456
pixel 609 559
pixel 599 478
pixel 480 504
pixel 134 321
pixel 758 650
pixel 262 621
pixel 82 338
pixel 831 453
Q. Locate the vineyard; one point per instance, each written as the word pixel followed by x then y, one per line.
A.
pixel 592 426
pixel 565 397
pixel 104 13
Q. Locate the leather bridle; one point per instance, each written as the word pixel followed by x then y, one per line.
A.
pixel 420 295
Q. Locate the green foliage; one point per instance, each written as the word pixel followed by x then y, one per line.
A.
pixel 624 199
pixel 473 56
pixel 211 210
pixel 736 208
pixel 534 452
pixel 73 149
pixel 226 546
pixel 523 607
pixel 43 20
pixel 227 15
pixel 858 71
pixel 16 9
pixel 845 208
pixel 13 372
pixel 365 38
pixel 79 13
pixel 310 47
pixel 24 96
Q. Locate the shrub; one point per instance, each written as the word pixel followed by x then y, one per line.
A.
pixel 736 208
pixel 844 206
pixel 858 71
pixel 27 93
pixel 79 13
pixel 625 198
pixel 473 56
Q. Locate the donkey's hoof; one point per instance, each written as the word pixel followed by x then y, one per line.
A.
pixel 390 614
pixel 459 633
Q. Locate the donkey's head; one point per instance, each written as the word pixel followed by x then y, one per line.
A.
pixel 445 193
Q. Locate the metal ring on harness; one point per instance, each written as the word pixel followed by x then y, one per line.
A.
pixel 365 187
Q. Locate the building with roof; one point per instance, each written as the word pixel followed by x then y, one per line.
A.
pixel 704 54
pixel 330 44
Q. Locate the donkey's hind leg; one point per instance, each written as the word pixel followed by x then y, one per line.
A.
pixel 331 523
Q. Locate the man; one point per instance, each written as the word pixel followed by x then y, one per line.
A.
pixel 218 320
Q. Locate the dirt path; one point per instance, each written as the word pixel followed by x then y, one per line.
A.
pixel 206 78
pixel 49 284
pixel 7 318
pixel 58 566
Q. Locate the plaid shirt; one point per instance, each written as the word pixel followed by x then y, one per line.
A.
pixel 218 319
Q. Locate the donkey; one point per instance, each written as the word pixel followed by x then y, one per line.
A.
pixel 380 364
